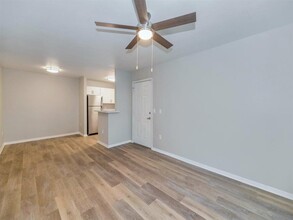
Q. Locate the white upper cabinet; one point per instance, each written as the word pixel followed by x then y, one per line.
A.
pixel 91 90
pixel 108 95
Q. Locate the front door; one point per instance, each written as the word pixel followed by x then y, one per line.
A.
pixel 142 123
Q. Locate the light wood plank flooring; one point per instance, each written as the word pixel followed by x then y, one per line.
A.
pixel 75 178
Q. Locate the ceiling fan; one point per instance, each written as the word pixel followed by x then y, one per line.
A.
pixel 145 30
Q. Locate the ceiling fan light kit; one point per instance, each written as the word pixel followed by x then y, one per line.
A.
pixel 145 33
pixel 145 30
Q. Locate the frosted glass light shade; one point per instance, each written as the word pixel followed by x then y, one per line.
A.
pixel 145 34
pixel 52 69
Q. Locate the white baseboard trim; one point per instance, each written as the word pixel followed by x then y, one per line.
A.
pixel 229 175
pixel 84 135
pixel 40 138
pixel 1 148
pixel 113 145
pixel 103 144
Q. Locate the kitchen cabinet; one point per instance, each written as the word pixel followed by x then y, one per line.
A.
pixel 108 95
pixel 91 90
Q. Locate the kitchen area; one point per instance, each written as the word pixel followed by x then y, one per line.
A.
pixel 100 116
pixel 100 98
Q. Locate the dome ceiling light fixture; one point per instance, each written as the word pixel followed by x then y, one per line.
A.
pixel 52 69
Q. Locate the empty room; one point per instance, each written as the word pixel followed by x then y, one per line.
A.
pixel 144 109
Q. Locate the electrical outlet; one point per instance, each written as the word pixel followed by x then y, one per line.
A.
pixel 160 137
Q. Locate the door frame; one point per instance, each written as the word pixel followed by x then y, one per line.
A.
pixel 152 109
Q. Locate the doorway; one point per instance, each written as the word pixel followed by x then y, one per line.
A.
pixel 142 112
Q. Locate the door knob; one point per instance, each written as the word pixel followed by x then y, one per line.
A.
pixel 149 118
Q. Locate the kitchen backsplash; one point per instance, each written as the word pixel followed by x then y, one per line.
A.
pixel 108 106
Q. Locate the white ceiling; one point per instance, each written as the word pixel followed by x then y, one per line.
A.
pixel 36 33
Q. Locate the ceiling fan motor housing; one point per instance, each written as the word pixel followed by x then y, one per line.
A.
pixel 147 26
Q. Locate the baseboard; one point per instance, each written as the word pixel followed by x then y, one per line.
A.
pixel 84 135
pixel 1 148
pixel 229 175
pixel 113 145
pixel 103 144
pixel 39 138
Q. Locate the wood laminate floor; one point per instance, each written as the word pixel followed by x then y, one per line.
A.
pixel 75 178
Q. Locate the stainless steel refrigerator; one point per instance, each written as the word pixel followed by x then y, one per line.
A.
pixel 94 103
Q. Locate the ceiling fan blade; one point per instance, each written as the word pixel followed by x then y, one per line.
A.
pixel 110 25
pixel 162 40
pixel 141 10
pixel 173 22
pixel 132 43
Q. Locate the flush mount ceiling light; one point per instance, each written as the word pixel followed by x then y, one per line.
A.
pixel 52 69
pixel 111 78
pixel 145 33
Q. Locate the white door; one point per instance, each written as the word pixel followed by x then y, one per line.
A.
pixel 142 121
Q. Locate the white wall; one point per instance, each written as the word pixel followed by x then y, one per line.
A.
pixel 82 106
pixel 115 128
pixel 120 123
pixel 231 107
pixel 103 128
pixel 1 107
pixel 38 105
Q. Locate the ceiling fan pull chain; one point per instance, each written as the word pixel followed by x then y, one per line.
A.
pixel 137 56
pixel 152 58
